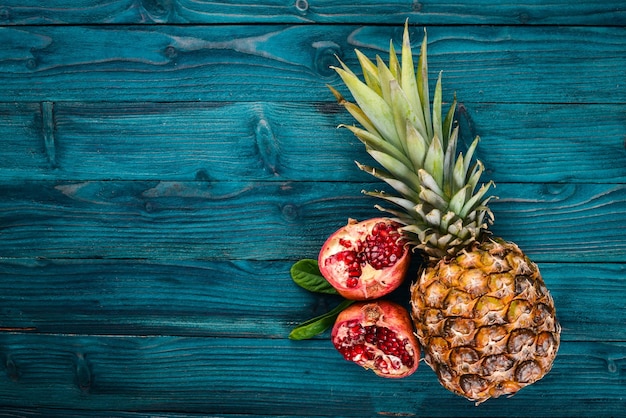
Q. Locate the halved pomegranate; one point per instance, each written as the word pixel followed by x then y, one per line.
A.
pixel 377 335
pixel 365 260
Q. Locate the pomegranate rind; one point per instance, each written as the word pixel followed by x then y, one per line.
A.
pixel 373 283
pixel 387 316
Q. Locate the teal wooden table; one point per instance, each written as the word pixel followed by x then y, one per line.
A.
pixel 164 163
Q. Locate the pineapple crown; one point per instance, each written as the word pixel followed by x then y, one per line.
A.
pixel 437 203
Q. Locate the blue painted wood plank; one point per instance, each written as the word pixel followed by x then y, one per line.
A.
pixel 21 412
pixel 555 12
pixel 274 377
pixel 548 143
pixel 538 143
pixel 76 413
pixel 262 220
pixel 278 63
pixel 164 297
pixel 523 214
pixel 243 299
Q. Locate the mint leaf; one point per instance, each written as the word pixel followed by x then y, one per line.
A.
pixel 306 274
pixel 317 325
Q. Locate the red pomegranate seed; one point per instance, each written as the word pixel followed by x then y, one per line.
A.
pixel 352 282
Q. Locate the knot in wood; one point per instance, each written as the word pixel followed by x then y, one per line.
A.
pixel 267 146
pixel 289 212
pixel 5 14
pixel 326 53
pixel 302 6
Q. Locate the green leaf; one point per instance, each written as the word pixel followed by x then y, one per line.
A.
pixel 473 201
pixel 433 163
pixel 447 123
pixel 437 121
pixel 458 200
pixel 448 164
pixel 407 76
pixel 429 182
pixel 394 65
pixel 405 204
pixel 370 72
pixel 385 75
pixel 417 146
pixel 433 199
pixel 458 175
pixel 422 85
pixel 469 155
pixel 319 324
pixel 403 113
pixel 355 111
pixel 397 169
pixel 374 106
pixel 385 176
pixel 374 141
pixel 306 274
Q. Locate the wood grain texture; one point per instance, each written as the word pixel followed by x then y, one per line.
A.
pixel 277 221
pixel 277 141
pixel 212 298
pixel 164 162
pixel 269 63
pixel 144 374
pixel 15 12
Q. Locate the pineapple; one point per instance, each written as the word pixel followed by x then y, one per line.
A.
pixel 480 306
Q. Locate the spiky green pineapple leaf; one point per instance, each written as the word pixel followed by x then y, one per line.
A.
pixel 394 64
pixel 422 85
pixel 396 184
pixel 474 175
pixel 458 174
pixel 400 171
pixel 446 219
pixel 416 145
pixel 356 112
pixel 470 154
pixel 450 187
pixel 370 72
pixel 386 77
pixel 372 105
pixel 433 199
pixel 473 201
pixel 408 80
pixel 458 200
pixel 448 121
pixel 429 182
pixel 375 142
pixel 437 121
pixel 433 163
pixel 406 204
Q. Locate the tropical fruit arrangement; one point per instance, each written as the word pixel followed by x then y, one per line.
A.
pixel 479 308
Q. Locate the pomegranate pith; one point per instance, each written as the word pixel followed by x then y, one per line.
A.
pixel 365 260
pixel 379 336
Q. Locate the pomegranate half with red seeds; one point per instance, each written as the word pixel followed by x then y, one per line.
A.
pixel 377 335
pixel 365 260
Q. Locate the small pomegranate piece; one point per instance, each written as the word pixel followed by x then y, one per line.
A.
pixel 377 335
pixel 365 260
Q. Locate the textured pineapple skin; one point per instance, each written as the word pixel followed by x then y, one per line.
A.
pixel 486 321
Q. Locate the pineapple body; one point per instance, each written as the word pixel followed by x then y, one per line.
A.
pixel 486 321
